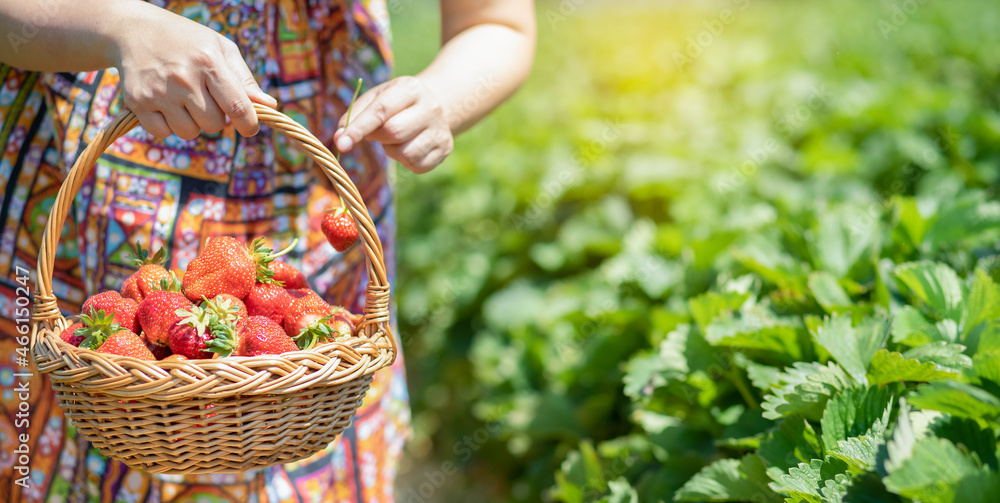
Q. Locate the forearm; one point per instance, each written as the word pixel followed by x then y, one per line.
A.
pixel 60 35
pixel 478 69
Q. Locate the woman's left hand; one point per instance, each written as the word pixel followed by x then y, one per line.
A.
pixel 406 117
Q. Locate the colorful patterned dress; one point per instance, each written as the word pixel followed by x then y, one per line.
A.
pixel 177 194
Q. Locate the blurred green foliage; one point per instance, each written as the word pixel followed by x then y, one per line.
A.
pixel 693 239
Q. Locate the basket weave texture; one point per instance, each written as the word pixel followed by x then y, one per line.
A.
pixel 220 415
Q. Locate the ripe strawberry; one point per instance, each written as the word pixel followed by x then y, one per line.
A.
pixel 112 302
pixel 332 327
pixel 226 307
pixel 158 313
pixel 227 266
pixel 126 343
pixel 261 336
pixel 288 276
pixel 227 339
pixel 339 229
pixel 305 312
pixel 189 334
pixel 268 300
pixel 159 351
pixel 107 336
pixel 69 335
pixel 298 293
pixel 147 279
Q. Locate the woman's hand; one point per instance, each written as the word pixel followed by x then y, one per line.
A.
pixel 405 116
pixel 181 77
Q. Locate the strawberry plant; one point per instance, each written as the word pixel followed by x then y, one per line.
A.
pixel 762 268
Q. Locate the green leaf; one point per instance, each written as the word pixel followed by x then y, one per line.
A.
pixel 750 333
pixel 725 480
pixel 804 389
pixel 956 398
pixel 816 482
pixel 621 492
pixel 841 237
pixel 987 365
pixel 852 347
pixel 708 307
pixel 911 328
pixel 983 303
pixel 910 219
pixel 949 357
pixel 794 441
pixel 935 285
pixel 828 293
pixel 853 412
pixel 763 256
pixel 932 471
pixel 887 367
pixel 645 373
pixel 970 434
pixel 861 452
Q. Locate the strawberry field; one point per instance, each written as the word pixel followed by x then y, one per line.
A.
pixel 713 251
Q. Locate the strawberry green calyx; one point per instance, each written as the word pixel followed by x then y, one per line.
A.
pixel 171 283
pixel 97 327
pixel 224 340
pixel 141 257
pixel 197 318
pixel 223 309
pixel 262 256
pixel 319 331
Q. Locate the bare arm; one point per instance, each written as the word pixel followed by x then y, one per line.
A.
pixel 487 53
pixel 178 76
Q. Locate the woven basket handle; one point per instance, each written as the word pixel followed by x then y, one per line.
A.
pixel 374 323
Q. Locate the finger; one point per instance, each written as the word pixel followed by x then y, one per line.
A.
pixel 401 127
pixel 250 85
pixel 390 102
pixel 206 112
pixel 153 122
pixel 423 153
pixel 231 96
pixel 181 123
pixel 362 102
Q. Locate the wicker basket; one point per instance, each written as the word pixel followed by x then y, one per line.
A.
pixel 221 415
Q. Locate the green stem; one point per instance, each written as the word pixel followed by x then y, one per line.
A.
pixel 350 107
pixel 737 380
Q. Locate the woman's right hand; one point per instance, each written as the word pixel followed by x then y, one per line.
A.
pixel 181 77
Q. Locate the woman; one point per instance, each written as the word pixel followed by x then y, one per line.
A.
pixel 198 168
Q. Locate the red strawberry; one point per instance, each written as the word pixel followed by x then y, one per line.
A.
pixel 227 339
pixel 268 300
pixel 112 302
pixel 69 335
pixel 107 336
pixel 305 312
pixel 298 293
pixel 288 276
pixel 332 327
pixel 261 336
pixel 159 351
pixel 227 266
pixel 147 279
pixel 226 307
pixel 126 343
pixel 189 335
pixel 158 314
pixel 338 226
